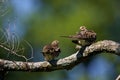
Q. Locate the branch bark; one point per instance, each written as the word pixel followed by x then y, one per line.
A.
pixel 68 63
pixel 118 78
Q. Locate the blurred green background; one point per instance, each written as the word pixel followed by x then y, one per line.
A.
pixel 42 21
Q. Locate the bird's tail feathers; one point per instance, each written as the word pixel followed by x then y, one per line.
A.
pixel 66 36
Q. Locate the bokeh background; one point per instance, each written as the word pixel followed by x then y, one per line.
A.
pixel 42 21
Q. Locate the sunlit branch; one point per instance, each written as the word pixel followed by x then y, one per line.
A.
pixel 67 63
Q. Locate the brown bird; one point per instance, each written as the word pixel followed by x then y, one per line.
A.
pixel 84 37
pixel 51 51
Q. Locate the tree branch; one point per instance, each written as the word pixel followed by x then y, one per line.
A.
pixel 118 78
pixel 65 63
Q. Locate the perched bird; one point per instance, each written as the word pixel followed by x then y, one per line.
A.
pixel 84 37
pixel 51 51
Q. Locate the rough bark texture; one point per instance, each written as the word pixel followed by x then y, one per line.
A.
pixel 118 78
pixel 69 62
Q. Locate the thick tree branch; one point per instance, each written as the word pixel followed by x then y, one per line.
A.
pixel 118 78
pixel 65 63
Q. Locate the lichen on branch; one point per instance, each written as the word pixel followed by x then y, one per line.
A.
pixel 67 63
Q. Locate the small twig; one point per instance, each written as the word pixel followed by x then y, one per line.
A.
pixel 13 52
pixel 12 43
pixel 31 48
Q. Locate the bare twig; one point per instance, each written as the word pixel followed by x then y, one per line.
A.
pixel 31 48
pixel 12 52
pixel 10 41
